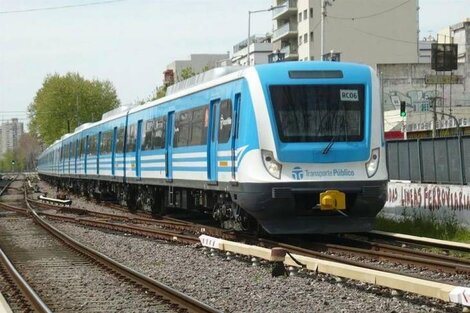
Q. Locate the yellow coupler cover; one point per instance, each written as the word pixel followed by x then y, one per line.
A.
pixel 332 200
pixel 400 282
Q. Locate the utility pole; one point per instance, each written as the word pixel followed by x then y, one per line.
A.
pixel 249 28
pixel 324 4
pixel 434 116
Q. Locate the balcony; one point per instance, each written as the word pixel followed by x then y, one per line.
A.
pixel 285 31
pixel 289 8
pixel 290 52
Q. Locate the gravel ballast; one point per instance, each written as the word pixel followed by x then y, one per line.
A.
pixel 237 286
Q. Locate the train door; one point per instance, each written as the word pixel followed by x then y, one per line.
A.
pixel 62 159
pixel 98 152
pixel 235 125
pixel 71 154
pixel 86 154
pixel 212 139
pixel 77 142
pixel 138 148
pixel 169 146
pixel 113 151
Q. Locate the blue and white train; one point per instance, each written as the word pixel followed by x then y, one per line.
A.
pixel 293 147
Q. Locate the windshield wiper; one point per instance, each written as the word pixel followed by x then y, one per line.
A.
pixel 329 145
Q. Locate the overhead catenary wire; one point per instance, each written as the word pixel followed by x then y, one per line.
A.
pixel 60 7
pixel 370 15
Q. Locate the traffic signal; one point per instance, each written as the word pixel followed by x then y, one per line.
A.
pixel 402 108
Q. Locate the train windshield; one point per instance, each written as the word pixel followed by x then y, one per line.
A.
pixel 318 113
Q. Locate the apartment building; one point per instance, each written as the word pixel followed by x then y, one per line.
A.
pixel 260 49
pixel 10 134
pixel 364 31
pixel 197 62
pixel 459 34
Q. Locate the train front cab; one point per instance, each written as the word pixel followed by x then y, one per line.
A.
pixel 326 147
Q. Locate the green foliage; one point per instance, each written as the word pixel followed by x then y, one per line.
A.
pixel 24 155
pixel 186 73
pixel 64 102
pixel 446 229
pixel 5 162
pixel 160 92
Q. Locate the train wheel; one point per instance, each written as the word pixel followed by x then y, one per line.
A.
pixel 158 203
pixel 131 198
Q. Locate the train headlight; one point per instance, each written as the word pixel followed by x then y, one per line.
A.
pixel 373 164
pixel 272 166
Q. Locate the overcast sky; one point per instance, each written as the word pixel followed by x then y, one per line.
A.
pixel 130 42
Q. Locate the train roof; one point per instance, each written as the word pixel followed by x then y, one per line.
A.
pixel 202 78
pixel 203 81
pixel 207 80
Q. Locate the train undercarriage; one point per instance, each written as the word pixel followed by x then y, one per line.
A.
pixel 161 200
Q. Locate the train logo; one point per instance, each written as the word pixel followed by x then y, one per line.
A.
pixel 297 173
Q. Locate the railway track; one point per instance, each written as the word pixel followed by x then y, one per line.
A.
pixel 366 254
pixel 340 249
pixel 69 276
pixel 389 252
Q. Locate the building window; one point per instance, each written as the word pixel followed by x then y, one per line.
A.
pixel 300 16
pixel 300 40
pixel 311 12
pixel 311 36
pixel 305 14
pixel 305 38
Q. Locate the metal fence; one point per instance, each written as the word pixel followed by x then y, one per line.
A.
pixel 430 160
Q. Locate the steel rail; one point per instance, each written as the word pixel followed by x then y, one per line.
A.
pixel 7 185
pixel 13 208
pixel 457 264
pixel 316 254
pixel 29 293
pixel 402 255
pixel 423 241
pixel 173 295
pixel 165 222
pixel 160 234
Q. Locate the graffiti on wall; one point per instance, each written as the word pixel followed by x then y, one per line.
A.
pixel 416 100
pixel 428 199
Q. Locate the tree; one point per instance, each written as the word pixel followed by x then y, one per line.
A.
pixel 160 91
pixel 64 102
pixel 24 155
pixel 186 73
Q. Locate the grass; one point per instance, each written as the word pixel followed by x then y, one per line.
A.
pixel 425 227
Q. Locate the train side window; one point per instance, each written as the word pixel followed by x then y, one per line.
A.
pixel 158 137
pixel 198 127
pixel 154 137
pixel 67 151
pixel 105 146
pixel 120 140
pixel 225 124
pixel 147 135
pixel 92 145
pixel 131 138
pixel 182 124
pixel 82 147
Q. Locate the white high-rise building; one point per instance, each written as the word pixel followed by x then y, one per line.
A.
pixel 364 31
pixel 10 134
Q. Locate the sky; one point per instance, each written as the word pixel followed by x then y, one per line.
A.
pixel 130 42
